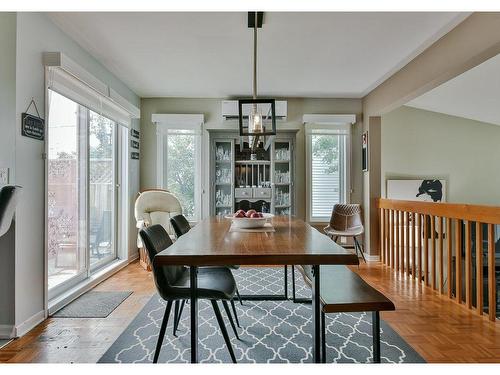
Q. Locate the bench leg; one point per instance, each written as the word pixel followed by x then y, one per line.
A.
pixel 376 336
pixel 323 338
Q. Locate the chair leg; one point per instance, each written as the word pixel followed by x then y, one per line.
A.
pixel 223 330
pixel 239 297
pixel 323 338
pixel 176 323
pixel 376 336
pixel 235 313
pixel 176 314
pixel 293 283
pixel 358 247
pixel 163 328
pixel 229 315
pixel 336 238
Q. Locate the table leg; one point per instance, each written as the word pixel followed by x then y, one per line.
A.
pixel 316 306
pixel 194 313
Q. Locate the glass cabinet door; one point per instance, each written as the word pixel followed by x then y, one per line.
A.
pixel 282 179
pixel 223 156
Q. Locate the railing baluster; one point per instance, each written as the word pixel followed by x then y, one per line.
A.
pixel 412 241
pixel 426 251
pixel 450 256
pixel 407 243
pixel 479 268
pixel 418 238
pixel 440 254
pixel 396 260
pixel 386 256
pixel 433 252
pixel 382 226
pixel 392 240
pixel 492 308
pixel 468 266
pixel 458 259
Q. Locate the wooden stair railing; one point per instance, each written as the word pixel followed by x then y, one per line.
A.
pixel 422 239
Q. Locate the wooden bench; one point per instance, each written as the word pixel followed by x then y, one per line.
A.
pixel 342 290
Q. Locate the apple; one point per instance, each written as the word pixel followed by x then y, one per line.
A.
pixel 250 212
pixel 256 215
pixel 239 213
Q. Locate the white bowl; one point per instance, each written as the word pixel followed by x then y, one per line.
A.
pixel 250 222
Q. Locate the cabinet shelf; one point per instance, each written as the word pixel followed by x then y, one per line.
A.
pixel 282 161
pixel 223 184
pixel 282 183
pixel 255 162
pixel 282 206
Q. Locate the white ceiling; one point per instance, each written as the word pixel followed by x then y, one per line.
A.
pixel 210 54
pixel 474 94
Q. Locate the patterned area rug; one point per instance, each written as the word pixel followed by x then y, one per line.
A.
pixel 271 331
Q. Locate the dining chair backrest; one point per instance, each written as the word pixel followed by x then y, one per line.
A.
pixel 180 224
pixel 346 217
pixel 8 201
pixel 156 239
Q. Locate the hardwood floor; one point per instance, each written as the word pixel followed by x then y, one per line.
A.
pixel 438 329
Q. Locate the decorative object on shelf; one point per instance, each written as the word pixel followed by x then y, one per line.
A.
pixel 32 126
pixel 282 154
pixel 261 112
pixel 134 155
pixel 365 151
pixel 222 155
pixel 134 144
pixel 134 133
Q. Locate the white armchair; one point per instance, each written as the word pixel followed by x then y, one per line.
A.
pixel 155 206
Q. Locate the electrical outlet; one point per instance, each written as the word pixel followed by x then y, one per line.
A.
pixel 4 176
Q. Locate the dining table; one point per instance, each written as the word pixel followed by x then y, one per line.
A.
pixel 213 242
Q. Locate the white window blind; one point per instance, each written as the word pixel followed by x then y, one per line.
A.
pixel 327 154
pixel 73 82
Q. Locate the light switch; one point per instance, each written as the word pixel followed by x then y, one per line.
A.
pixel 4 176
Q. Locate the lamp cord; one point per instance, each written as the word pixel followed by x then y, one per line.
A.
pixel 255 57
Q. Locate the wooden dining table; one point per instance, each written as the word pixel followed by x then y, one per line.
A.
pixel 293 242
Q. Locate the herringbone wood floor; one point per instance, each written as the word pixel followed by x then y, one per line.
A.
pixel 440 330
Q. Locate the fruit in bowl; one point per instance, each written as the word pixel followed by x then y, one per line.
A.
pixel 249 219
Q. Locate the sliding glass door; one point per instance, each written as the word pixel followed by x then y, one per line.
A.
pixel 81 192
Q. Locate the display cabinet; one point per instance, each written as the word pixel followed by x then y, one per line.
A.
pixel 263 182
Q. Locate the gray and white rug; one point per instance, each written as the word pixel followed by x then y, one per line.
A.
pixel 271 331
pixel 93 304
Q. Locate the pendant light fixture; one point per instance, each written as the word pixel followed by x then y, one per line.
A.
pixel 256 116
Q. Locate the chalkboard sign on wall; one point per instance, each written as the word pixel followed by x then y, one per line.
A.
pixel 32 126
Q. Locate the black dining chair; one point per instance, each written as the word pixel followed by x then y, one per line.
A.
pixel 173 284
pixel 8 200
pixel 181 226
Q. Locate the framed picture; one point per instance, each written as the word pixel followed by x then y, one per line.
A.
pixel 134 144
pixel 134 155
pixel 426 190
pixel 365 151
pixel 134 133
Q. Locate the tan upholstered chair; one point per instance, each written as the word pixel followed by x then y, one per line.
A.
pixel 346 222
pixel 155 206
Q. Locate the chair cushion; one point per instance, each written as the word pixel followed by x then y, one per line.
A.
pixel 356 231
pixel 213 283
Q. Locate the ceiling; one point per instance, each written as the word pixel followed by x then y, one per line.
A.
pixel 210 54
pixel 474 94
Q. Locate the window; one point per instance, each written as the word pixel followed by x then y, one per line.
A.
pixel 81 191
pixel 327 152
pixel 179 168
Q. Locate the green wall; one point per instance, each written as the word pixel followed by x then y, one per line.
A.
pixel 466 153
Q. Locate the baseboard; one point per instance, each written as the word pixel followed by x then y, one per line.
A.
pixel 29 324
pixel 372 258
pixel 7 331
pixel 133 257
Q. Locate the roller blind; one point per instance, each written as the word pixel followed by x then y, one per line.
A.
pixel 80 86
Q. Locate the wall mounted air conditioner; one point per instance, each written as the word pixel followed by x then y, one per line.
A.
pixel 230 109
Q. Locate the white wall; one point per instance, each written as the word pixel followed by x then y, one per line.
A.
pixel 37 34
pixel 211 108
pixel 7 147
pixel 466 153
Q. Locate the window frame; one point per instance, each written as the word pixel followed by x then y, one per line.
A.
pixel 163 130
pixel 337 128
